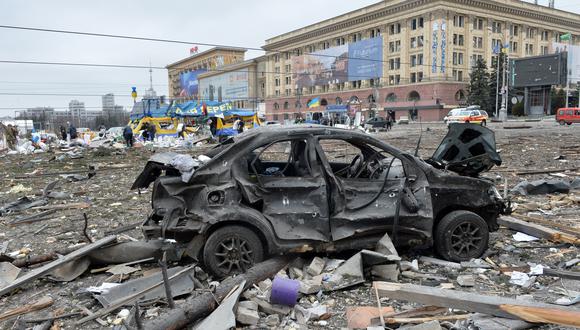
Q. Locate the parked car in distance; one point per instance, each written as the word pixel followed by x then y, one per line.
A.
pixel 568 116
pixel 452 113
pixel 376 122
pixel 316 188
pixel 469 116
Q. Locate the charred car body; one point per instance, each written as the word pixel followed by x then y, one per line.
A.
pixel 302 188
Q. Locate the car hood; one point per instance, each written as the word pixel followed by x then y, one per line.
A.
pixel 467 149
pixel 172 163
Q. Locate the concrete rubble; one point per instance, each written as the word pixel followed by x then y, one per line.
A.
pixel 42 222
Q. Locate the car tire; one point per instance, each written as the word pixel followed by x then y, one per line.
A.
pixel 569 123
pixel 461 236
pixel 232 250
pixel 467 121
pixel 562 123
pixel 483 123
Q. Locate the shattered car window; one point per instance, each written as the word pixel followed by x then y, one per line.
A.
pixel 283 158
pixel 359 160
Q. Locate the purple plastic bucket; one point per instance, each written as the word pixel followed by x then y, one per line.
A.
pixel 284 291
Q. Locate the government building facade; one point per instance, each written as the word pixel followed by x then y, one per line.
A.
pixel 412 56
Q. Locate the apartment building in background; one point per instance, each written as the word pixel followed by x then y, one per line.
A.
pixel 405 55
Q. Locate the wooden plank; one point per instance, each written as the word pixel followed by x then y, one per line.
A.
pixel 474 302
pixel 542 315
pixel 540 221
pixel 537 230
pixel 47 268
pixel 63 206
pixel 42 303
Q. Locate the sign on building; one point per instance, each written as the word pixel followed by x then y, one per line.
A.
pixel 539 70
pixel 361 60
pixel 229 86
pixel 189 83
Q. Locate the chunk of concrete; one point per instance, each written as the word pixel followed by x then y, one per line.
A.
pixel 265 285
pixel 304 315
pixel 269 309
pixel 247 316
pixel 272 320
pixel 316 266
pixel 311 286
pixel 248 304
pixel 409 265
pixel 466 280
pixel 296 273
pixel 386 272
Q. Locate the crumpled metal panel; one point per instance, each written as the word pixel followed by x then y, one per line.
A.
pixel 467 149
pixel 179 286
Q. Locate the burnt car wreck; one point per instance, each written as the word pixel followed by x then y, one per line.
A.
pixel 313 188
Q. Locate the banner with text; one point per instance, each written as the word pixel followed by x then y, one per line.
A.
pixel 350 62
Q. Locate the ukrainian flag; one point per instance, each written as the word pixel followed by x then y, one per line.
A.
pixel 314 103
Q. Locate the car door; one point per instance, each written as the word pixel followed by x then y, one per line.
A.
pixel 293 189
pixel 365 202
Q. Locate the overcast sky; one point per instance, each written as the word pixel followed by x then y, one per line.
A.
pixel 228 22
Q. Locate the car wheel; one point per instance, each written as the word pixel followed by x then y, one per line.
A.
pixel 461 236
pixel 232 250
pixel 562 123
pixel 569 123
pixel 483 123
pixel 467 121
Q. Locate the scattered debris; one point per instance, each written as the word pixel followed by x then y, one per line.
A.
pixel 534 312
pixel 39 304
pixel 541 187
pixel 55 264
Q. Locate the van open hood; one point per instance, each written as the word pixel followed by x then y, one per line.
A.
pixel 467 149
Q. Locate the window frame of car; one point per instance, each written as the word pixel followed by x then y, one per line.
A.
pixel 308 139
pixel 368 143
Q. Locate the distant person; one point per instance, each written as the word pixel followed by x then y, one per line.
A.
pixel 212 127
pixel 152 130
pixel 63 132
pixel 391 115
pixel 102 130
pixel 11 137
pixel 236 125
pixel 145 132
pixel 389 123
pixel 181 130
pixel 241 127
pixel 128 136
pixel 72 131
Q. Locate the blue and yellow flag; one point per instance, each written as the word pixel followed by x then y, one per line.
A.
pixel 314 103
